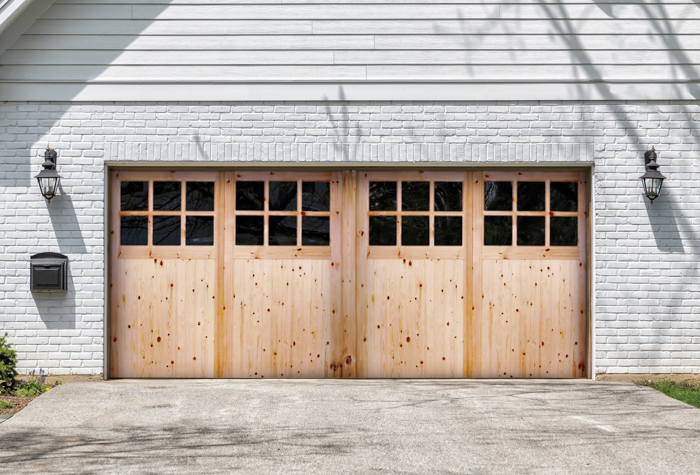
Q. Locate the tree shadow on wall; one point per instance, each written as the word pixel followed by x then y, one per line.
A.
pixel 26 136
pixel 664 224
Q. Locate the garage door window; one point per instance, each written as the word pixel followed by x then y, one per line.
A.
pixel 531 213
pixel 415 213
pixel 151 212
pixel 283 213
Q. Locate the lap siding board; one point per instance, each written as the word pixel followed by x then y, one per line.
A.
pixel 349 309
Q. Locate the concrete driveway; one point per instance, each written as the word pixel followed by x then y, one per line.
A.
pixel 358 426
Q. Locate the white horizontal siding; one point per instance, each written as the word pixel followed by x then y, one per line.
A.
pixel 292 41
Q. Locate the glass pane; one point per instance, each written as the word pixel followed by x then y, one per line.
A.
pixel 167 195
pixel 315 196
pixel 283 195
pixel 415 230
pixel 315 231
pixel 448 196
pixel 563 196
pixel 382 196
pixel 250 230
pixel 166 230
pixel 448 230
pixel 382 230
pixel 200 196
pixel 563 231
pixel 250 195
pixel 283 231
pixel 134 231
pixel 531 196
pixel 530 230
pixel 498 196
pixel 498 231
pixel 199 231
pixel 134 196
pixel 415 196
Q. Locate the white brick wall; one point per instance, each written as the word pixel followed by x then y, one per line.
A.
pixel 647 274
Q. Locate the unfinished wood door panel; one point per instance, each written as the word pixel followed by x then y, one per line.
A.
pixel 532 312
pixel 284 310
pixel 163 297
pixel 415 319
pixel 283 319
pixel 411 307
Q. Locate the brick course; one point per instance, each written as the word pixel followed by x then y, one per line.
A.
pixel 647 258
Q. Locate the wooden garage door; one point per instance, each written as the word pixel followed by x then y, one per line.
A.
pixel 413 291
pixel 347 274
pixel 165 236
pixel 529 275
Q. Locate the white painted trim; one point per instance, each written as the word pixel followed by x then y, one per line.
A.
pixel 592 271
pixel 471 166
pixel 16 17
pixel 105 313
pixel 349 91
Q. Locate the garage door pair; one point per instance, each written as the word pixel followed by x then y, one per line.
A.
pixel 380 274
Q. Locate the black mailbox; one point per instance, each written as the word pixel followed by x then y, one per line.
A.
pixel 49 271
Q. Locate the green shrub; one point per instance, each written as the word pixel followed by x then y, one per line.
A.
pixel 8 366
pixel 5 405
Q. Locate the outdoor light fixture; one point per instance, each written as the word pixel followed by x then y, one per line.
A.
pixel 652 179
pixel 48 178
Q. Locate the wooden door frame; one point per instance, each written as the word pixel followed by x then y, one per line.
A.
pixel 350 245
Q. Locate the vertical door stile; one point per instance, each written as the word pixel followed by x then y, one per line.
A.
pixel 226 214
pixel 219 243
pixel 582 309
pixel 346 350
pixel 468 289
pixel 478 320
pixel 115 290
pixel 362 275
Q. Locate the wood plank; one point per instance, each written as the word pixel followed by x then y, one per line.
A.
pixel 120 26
pixel 292 12
pixel 345 344
pixel 561 176
pixel 327 292
pixel 468 340
pixel 167 252
pixel 503 26
pixel 193 73
pixel 167 175
pixel 115 290
pixel 225 215
pixel 220 244
pixel 529 253
pixel 218 57
pixel 363 274
pixel 404 72
pixel 581 336
pixel 274 175
pixel 498 42
pixel 415 252
pixel 413 175
pixel 196 43
pixel 580 12
pixel 283 252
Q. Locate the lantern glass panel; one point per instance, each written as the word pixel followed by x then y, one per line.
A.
pixel 48 186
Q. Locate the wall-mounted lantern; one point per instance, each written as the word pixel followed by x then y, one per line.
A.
pixel 49 178
pixel 652 179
